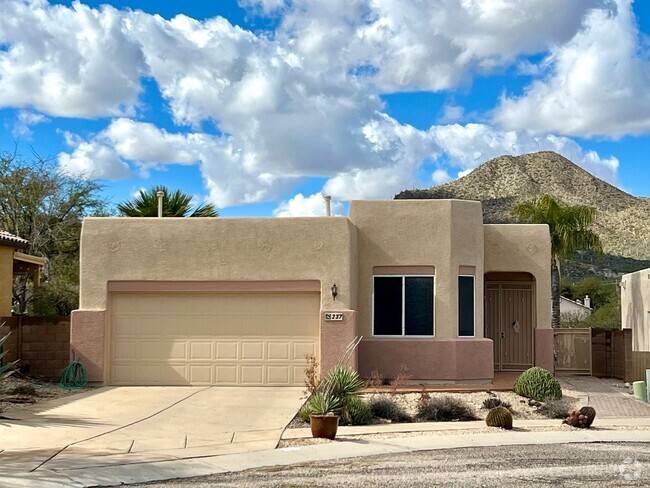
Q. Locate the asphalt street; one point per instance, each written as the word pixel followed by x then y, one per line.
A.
pixel 597 465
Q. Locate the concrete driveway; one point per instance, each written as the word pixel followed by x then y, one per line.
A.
pixel 125 425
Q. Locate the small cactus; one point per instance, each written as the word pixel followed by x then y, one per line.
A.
pixel 582 418
pixel 499 417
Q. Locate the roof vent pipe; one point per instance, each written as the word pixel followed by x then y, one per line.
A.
pixel 160 195
pixel 328 206
pixel 587 301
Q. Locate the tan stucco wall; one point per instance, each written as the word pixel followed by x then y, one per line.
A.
pixel 445 234
pixel 523 248
pixel 217 249
pixel 6 280
pixel 635 308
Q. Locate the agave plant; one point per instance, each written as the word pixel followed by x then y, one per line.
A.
pixel 343 382
pixel 323 402
pixel 5 367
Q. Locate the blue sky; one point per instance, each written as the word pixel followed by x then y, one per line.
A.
pixel 262 106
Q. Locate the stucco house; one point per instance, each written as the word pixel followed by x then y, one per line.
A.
pixel 575 310
pixel 14 262
pixel 635 308
pixel 217 301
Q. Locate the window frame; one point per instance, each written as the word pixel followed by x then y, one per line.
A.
pixel 474 307
pixel 404 335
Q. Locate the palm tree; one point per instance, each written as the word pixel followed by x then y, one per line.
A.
pixel 175 204
pixel 570 228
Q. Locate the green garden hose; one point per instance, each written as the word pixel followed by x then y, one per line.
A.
pixel 74 376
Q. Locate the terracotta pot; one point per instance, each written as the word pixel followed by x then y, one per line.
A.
pixel 324 426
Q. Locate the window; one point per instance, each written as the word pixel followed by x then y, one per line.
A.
pixel 466 306
pixel 403 305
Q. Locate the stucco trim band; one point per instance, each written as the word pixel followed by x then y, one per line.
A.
pixel 214 286
pixel 404 270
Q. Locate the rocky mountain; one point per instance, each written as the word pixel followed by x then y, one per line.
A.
pixel 622 221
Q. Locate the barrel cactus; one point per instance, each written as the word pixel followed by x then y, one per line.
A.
pixel 539 384
pixel 582 418
pixel 499 417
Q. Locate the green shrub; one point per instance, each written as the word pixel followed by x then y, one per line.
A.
pixel 386 408
pixel 493 402
pixel 538 384
pixel 499 417
pixel 357 412
pixel 445 409
pixel 555 409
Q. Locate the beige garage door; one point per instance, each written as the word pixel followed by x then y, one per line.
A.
pixel 212 339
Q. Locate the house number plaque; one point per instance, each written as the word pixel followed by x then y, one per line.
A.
pixel 334 316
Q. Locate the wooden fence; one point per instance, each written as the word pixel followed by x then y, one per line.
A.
pixel 573 351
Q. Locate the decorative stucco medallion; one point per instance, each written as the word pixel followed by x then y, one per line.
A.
pixel 114 246
pixel 532 249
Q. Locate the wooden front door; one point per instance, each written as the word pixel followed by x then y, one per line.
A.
pixel 509 322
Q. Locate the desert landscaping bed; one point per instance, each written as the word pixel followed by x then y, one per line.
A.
pixel 18 392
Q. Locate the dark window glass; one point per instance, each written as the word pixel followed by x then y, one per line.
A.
pixel 418 300
pixel 465 306
pixel 388 305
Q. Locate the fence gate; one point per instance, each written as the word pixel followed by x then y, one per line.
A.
pixel 573 351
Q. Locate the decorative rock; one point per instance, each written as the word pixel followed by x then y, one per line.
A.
pixel 582 418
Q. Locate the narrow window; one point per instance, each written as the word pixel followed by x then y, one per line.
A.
pixel 388 305
pixel 418 318
pixel 466 306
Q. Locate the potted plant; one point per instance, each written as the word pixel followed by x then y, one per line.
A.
pixel 324 420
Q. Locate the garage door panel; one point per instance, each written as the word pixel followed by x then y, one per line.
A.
pixel 278 375
pixel 278 351
pixel 252 350
pixel 302 349
pixel 252 374
pixel 201 350
pixel 226 351
pixel 201 339
pixel 226 374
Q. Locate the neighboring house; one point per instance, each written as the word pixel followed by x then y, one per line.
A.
pixel 575 310
pixel 635 308
pixel 14 262
pixel 203 301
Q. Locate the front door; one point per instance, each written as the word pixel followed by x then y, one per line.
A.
pixel 509 322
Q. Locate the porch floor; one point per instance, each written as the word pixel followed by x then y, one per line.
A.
pixel 503 381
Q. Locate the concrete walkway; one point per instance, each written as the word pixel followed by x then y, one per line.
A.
pixel 608 400
pixel 48 477
pixel 128 425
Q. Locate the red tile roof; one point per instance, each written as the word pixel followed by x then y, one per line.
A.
pixel 7 239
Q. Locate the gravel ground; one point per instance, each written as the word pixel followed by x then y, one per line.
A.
pixel 20 392
pixel 521 408
pixel 597 465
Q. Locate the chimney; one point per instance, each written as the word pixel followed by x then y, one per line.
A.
pixel 160 195
pixel 587 301
pixel 328 205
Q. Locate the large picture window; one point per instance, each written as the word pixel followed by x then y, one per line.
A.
pixel 403 305
pixel 466 306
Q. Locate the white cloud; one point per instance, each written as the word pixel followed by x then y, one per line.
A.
pixel 94 160
pixel 302 206
pixel 25 120
pixel 70 62
pixel 598 84
pixel 299 102
pixel 468 146
pixel 440 176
